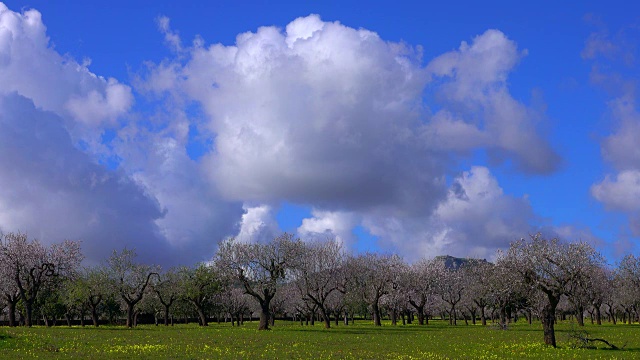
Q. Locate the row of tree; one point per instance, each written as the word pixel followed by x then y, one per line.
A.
pixel 535 278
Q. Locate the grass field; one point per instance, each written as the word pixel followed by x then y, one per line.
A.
pixel 292 341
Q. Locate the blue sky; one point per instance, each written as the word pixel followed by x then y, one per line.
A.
pixel 413 127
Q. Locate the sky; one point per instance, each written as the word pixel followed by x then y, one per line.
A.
pixel 416 128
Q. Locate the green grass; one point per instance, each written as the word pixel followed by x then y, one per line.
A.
pixel 292 341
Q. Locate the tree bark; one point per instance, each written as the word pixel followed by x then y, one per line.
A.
pixel 394 317
pixel 265 316
pixel 130 314
pixel 326 318
pixel 580 315
pixel 202 316
pixel 376 314
pixel 12 313
pixel 166 315
pixel 453 316
pixel 548 320
pixel 29 312
pixel 94 315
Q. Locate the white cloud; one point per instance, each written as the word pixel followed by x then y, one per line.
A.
pixel 331 116
pixel 479 111
pixel 258 224
pixel 475 219
pixel 621 192
pixel 621 148
pixel 611 56
pixel 320 114
pixel 53 191
pixel 337 225
pixel 170 37
pixel 158 201
pixel 31 67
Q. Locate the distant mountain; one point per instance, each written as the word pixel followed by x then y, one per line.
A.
pixel 451 262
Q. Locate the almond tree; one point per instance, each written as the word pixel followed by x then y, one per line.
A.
pixel 259 268
pixel 128 279
pixel 32 265
pixel 505 288
pixel 450 285
pixel 8 291
pixel 236 304
pixel 373 276
pixel 589 292
pixel 168 290
pixel 551 266
pixel 600 283
pixel 479 277
pixel 90 288
pixel 199 285
pixel 318 272
pixel 420 284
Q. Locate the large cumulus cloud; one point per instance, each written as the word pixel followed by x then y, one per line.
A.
pixel 322 114
pixel 53 113
pixel 53 191
pixel 317 113
pixel 30 66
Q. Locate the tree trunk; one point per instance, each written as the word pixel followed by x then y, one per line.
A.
pixel 376 314
pixel 598 316
pixel 483 316
pixel 394 317
pixel 166 315
pixel 453 316
pixel 265 316
pixel 130 314
pixel 12 314
pixel 580 316
pixel 420 316
pixel 29 312
pixel 548 321
pixel 201 315
pixel 503 317
pixel 326 317
pixel 94 315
